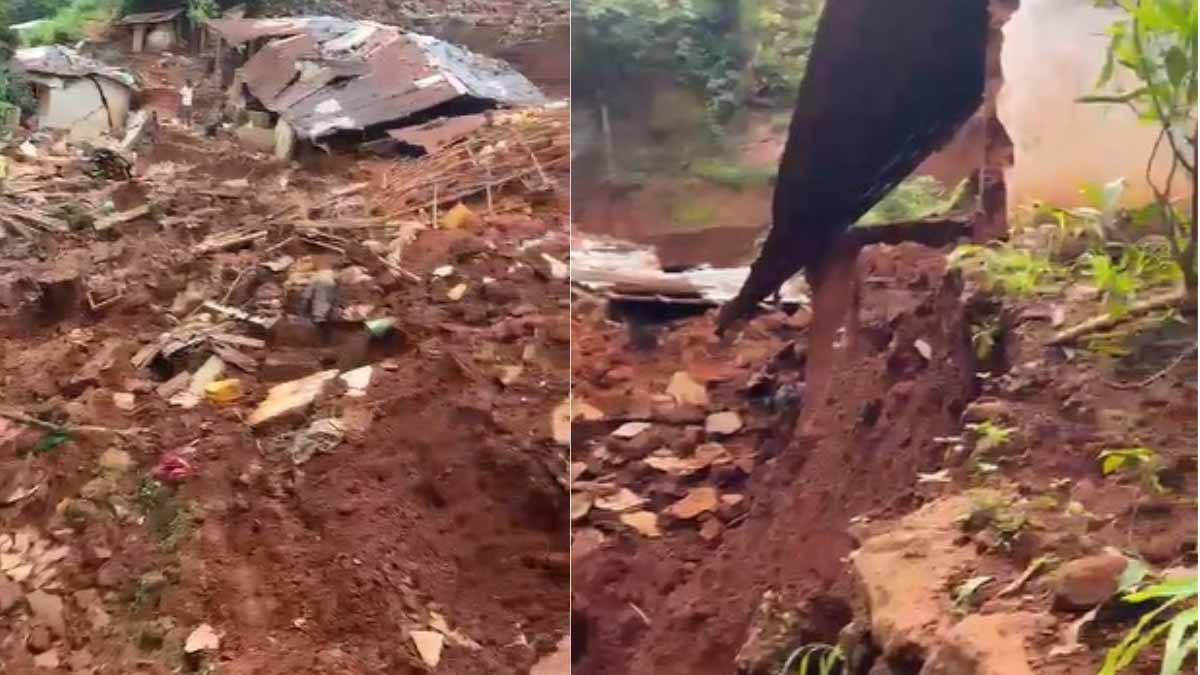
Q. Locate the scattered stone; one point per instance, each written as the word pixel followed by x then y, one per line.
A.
pixel 10 595
pixel 623 500
pixel 645 522
pixel 723 423
pixel 290 397
pixel 987 644
pixel 687 391
pixel 48 611
pixel 630 429
pixel 1086 582
pixel 710 529
pixel 116 460
pixel 40 639
pixel 698 500
pixel 429 646
pixel 202 639
pixel 124 401
pixel 985 410
pixel 581 505
pixel 48 660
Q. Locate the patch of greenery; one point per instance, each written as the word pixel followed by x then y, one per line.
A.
pixel 168 518
pixel 814 659
pixel 995 512
pixel 1140 462
pixel 990 436
pixel 693 212
pixel 69 23
pixel 1178 633
pixel 1009 269
pixel 915 198
pixel 735 176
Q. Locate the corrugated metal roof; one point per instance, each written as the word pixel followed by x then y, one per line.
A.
pixel 365 74
pixel 150 17
pixel 236 31
pixel 66 62
pixel 437 134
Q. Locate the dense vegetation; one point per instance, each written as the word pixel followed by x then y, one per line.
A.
pixel 731 52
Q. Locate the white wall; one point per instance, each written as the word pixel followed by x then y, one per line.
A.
pixel 1053 52
pixel 77 106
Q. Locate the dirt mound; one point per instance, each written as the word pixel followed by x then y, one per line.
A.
pixel 881 382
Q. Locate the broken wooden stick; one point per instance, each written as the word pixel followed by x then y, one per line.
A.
pixel 22 418
pixel 1103 321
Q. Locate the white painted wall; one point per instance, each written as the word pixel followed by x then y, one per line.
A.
pixel 76 105
pixel 1053 53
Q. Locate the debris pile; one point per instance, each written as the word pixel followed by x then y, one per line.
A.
pixel 480 155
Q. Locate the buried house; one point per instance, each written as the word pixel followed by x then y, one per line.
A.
pixel 322 78
pixel 73 92
pixel 154 31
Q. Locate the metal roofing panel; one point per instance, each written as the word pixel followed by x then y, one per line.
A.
pixel 237 31
pixel 269 72
pixel 151 17
pixel 437 134
pixel 66 62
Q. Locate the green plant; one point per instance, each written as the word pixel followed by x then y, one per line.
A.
pixel 983 337
pixel 1007 268
pixel 989 436
pixel 913 199
pixel 735 176
pixel 814 659
pixel 70 21
pixel 200 10
pixel 966 594
pixel 1140 462
pixel 1156 40
pixel 1178 633
pixel 995 512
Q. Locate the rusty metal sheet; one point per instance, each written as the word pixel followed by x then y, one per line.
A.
pixel 437 134
pixel 150 17
pixel 63 61
pixel 269 72
pixel 236 31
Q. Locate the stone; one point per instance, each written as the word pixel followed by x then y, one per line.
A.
pixel 10 595
pixel 1086 582
pixel 687 391
pixel 48 611
pixel 723 423
pixel 116 461
pixel 698 500
pixel 40 639
pixel 48 660
pixel 111 574
pixel 983 410
pixel 289 397
pixel 429 646
pixel 202 639
pixel 987 644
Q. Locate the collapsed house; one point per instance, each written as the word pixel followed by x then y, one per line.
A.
pixel 321 77
pixel 73 92
pixel 154 31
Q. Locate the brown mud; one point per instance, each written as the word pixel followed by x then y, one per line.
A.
pixel 442 510
pixel 886 374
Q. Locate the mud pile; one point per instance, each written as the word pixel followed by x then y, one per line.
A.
pixel 870 512
pixel 250 426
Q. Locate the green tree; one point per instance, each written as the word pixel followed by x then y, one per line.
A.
pixel 1156 41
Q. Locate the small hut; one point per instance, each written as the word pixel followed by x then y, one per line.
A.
pixel 75 92
pixel 154 31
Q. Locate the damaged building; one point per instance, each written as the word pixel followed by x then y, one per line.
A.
pixel 76 93
pixel 323 79
pixel 154 31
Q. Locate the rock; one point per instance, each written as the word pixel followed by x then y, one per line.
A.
pixel 48 611
pixel 645 522
pixel 723 423
pixel 984 410
pixel 902 575
pixel 630 429
pixel 10 595
pixel 202 639
pixel 98 489
pixel 732 506
pixel 1158 549
pixel 429 646
pixel 987 644
pixel 289 397
pixel 116 460
pixel 687 391
pixel 1086 582
pixel 124 401
pixel 698 500
pixel 40 639
pixel 111 574
pixel 49 660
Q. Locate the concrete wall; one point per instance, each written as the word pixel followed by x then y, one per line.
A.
pixel 1053 52
pixel 77 106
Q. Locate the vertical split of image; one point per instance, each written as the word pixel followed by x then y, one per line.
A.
pixel 604 337
pixel 884 337
pixel 283 322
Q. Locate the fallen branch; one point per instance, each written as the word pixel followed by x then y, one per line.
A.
pixel 1150 380
pixel 1109 320
pixel 67 429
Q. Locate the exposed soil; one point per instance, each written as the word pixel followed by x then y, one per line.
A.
pixel 854 418
pixel 442 509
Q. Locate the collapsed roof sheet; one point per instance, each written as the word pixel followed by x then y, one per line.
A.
pixel 237 31
pixel 150 17
pixel 66 62
pixel 373 74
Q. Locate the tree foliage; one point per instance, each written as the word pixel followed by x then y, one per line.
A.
pixel 1156 41
pixel 727 50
